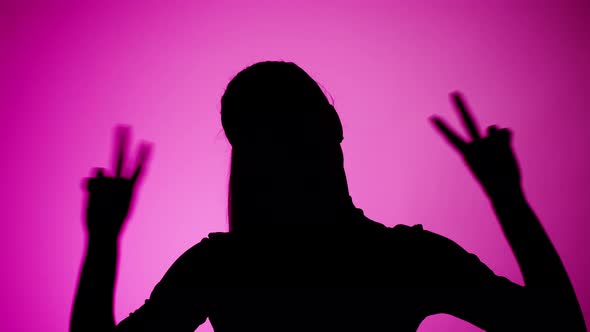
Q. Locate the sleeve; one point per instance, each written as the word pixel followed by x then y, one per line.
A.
pixel 179 302
pixel 457 283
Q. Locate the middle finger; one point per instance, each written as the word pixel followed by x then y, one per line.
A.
pixel 467 118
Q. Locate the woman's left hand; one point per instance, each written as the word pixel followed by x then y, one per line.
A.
pixel 490 157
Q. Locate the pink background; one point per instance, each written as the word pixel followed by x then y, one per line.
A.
pixel 71 72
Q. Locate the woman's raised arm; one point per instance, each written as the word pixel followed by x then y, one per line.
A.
pixel 547 286
pixel 109 199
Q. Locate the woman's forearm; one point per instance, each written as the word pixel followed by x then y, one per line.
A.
pixel 536 256
pixel 543 272
pixel 93 304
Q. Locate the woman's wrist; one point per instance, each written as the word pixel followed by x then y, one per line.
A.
pixel 507 197
pixel 103 240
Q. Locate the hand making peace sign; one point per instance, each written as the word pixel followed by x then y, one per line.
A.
pixel 110 197
pixel 490 158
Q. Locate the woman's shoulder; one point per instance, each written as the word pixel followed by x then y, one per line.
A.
pixel 415 240
pixel 204 249
pixel 420 238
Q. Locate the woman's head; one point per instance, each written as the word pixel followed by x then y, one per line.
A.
pixel 277 103
pixel 285 138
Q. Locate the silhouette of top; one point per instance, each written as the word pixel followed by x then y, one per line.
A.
pixel 299 256
pixel 362 277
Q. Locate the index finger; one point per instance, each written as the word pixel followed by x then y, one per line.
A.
pixel 449 134
pixel 467 118
pixel 142 157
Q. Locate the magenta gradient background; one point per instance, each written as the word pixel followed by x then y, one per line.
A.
pixel 71 72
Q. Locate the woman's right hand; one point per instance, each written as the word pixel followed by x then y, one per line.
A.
pixel 110 197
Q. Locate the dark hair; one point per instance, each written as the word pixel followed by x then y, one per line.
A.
pixel 267 109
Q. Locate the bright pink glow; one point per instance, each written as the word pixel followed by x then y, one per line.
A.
pixel 71 73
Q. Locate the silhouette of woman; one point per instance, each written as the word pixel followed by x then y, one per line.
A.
pixel 299 256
